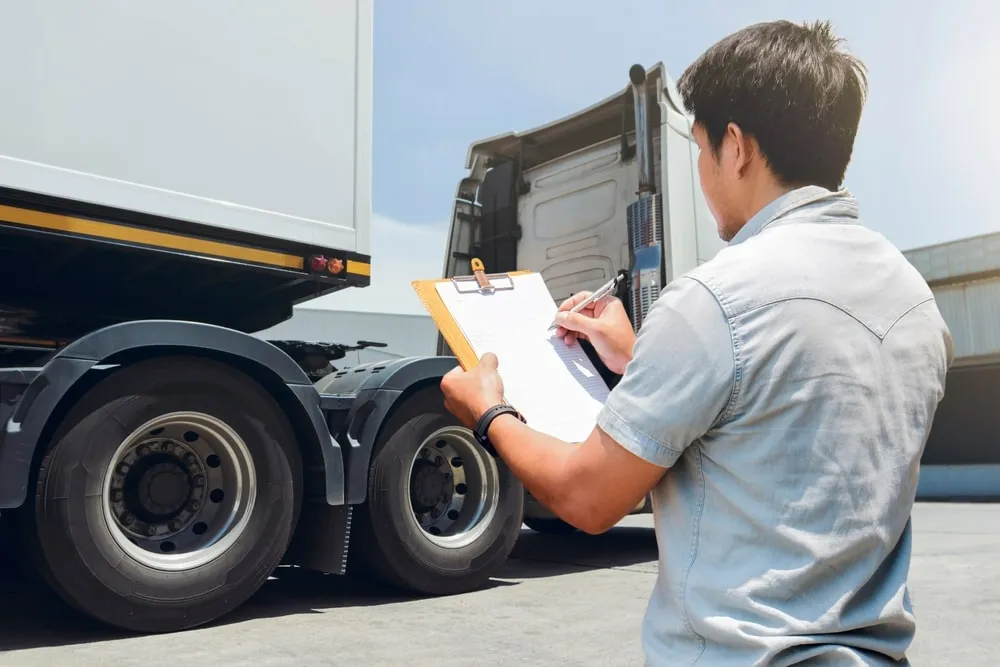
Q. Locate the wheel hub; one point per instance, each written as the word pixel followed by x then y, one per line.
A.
pixel 432 485
pixel 454 488
pixel 164 489
pixel 179 491
pixel 153 488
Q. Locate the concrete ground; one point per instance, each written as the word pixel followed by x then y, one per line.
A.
pixel 560 601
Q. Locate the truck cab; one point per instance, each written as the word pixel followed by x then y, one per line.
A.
pixel 610 189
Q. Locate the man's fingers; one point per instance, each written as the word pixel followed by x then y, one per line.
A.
pixel 573 300
pixel 577 323
pixel 570 337
pixel 490 361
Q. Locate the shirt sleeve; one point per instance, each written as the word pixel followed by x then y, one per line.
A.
pixel 681 377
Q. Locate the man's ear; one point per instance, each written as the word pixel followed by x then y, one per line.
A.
pixel 743 146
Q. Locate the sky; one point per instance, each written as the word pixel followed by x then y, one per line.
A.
pixel 448 73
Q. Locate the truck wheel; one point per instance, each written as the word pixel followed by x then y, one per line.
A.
pixel 168 496
pixel 549 526
pixel 442 515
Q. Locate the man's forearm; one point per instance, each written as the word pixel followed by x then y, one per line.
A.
pixel 541 462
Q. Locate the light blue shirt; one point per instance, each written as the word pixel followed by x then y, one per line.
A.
pixel 789 384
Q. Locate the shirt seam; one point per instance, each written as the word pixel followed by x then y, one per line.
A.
pixel 619 423
pixel 806 297
pixel 903 315
pixel 693 556
pixel 730 407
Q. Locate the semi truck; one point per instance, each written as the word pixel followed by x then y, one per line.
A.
pixel 174 178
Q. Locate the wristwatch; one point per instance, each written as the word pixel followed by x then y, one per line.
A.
pixel 483 425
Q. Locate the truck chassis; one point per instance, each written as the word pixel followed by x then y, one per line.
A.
pixel 156 471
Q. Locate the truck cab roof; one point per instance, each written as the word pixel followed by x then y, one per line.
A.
pixel 555 198
pixel 608 118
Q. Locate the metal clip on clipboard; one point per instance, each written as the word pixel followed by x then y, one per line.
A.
pixel 482 282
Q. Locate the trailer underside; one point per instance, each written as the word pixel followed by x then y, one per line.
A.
pixel 69 268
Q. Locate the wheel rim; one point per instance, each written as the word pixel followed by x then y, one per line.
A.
pixel 179 491
pixel 454 488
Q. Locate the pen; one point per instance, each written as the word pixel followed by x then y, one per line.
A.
pixel 601 292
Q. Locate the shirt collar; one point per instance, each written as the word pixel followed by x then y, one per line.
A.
pixel 837 204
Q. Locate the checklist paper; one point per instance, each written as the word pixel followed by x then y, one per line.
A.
pixel 554 385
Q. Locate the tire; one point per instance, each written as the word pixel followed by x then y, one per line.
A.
pixel 388 540
pixel 81 532
pixel 550 526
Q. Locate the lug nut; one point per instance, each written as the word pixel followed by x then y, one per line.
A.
pixel 123 468
pixel 199 480
pixel 189 459
pixel 195 505
pixel 151 531
pixel 175 525
pixel 143 450
pixel 127 519
pixel 116 495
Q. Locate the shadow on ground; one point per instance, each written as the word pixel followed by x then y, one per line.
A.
pixel 32 617
pixel 622 547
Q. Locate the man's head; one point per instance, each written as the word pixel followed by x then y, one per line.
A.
pixel 776 106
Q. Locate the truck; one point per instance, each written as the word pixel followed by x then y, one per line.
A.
pixel 611 189
pixel 174 178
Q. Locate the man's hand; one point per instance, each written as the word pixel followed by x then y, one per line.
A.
pixel 469 394
pixel 604 323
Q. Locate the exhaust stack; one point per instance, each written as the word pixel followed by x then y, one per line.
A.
pixel 643 156
pixel 645 215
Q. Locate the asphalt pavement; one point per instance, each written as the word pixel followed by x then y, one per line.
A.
pixel 575 600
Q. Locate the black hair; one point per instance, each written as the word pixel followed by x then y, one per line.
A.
pixel 788 86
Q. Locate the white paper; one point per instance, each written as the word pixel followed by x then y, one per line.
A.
pixel 555 386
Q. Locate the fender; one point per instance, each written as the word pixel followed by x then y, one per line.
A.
pixel 376 389
pixel 148 337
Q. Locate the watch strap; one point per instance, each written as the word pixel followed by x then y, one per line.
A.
pixel 483 425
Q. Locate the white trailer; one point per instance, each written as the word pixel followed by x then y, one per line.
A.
pixel 252 118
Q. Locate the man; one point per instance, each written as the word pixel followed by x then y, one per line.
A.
pixel 777 398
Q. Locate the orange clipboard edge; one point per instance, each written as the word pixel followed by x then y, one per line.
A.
pixel 450 330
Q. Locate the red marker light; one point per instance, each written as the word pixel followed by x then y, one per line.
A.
pixel 317 263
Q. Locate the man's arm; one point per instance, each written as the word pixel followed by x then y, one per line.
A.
pixel 590 485
pixel 674 389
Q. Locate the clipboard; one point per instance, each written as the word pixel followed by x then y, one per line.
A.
pixel 554 385
pixel 478 281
